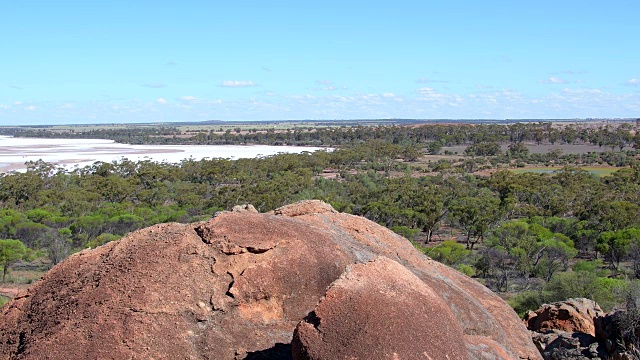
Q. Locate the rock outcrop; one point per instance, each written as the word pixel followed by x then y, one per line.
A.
pixel 578 329
pixel 573 315
pixel 379 297
pixel 237 286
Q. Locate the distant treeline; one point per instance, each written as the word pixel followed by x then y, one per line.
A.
pixel 614 136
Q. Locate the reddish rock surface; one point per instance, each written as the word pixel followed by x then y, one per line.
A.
pixel 234 287
pixel 381 297
pixel 573 315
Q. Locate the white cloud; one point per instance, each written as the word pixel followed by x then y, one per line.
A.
pixel 237 83
pixel 582 91
pixel 154 85
pixel 423 90
pixel 553 80
pixel 66 106
pixel 424 80
pixel 329 88
pixel 633 82
pixel 30 108
pixel 17 103
pixel 188 98
pixel 428 102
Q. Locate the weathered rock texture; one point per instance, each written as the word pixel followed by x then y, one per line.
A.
pixel 573 315
pixel 236 286
pixel 379 297
pixel 578 329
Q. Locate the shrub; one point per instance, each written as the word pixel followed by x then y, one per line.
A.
pixel 525 301
pixel 448 252
pixel 466 269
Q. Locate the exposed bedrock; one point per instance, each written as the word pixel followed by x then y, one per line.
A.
pixel 236 287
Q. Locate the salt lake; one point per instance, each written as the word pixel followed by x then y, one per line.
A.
pixel 14 152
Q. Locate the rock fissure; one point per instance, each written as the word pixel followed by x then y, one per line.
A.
pixel 230 286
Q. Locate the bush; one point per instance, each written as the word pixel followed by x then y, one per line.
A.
pixel 405 231
pixel 101 240
pixel 466 269
pixel 525 301
pixel 628 321
pixel 584 284
pixel 448 252
pixel 483 149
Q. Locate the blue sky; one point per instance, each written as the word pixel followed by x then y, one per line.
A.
pixel 142 61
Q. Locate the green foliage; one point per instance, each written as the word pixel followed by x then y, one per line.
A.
pixel 583 284
pixel 615 245
pixel 526 301
pixel 11 251
pixel 434 147
pixel 483 149
pixel 518 149
pixel 476 215
pixel 466 269
pixel 408 233
pixel 556 215
pixel 102 239
pixel 592 266
pixel 448 252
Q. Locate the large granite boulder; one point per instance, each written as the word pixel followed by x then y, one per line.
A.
pixel 379 297
pixel 235 287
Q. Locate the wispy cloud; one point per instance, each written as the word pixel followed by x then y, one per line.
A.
pixel 154 85
pixel 324 82
pixel 553 80
pixel 424 80
pixel 237 83
pixel 427 93
pixel 632 82
pixel 187 98
pixel 571 72
pixel 266 69
pixel 171 63
pixel 329 88
pixel 161 100
pixel 30 108
pixel 15 87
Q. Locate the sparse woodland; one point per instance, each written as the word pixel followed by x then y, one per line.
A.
pixel 532 237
